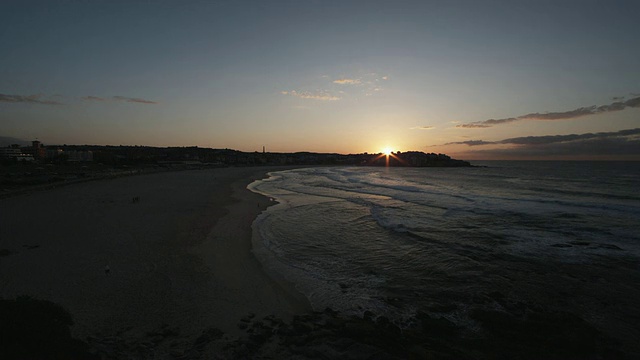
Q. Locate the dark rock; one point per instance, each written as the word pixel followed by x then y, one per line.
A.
pixel 539 334
pixel 418 352
pixel 360 351
pixel 360 331
pixel 330 311
pixel 437 327
pixel 382 321
pixel 157 339
pixel 258 324
pixel 368 315
pixel 177 353
pixel 209 335
pixel 342 343
pixel 480 299
pixel 395 301
pixel 321 334
pixel 37 329
pixel 580 243
pixel 443 308
pixel 258 338
pixel 302 327
pixel 241 351
pixel 294 340
pixel 275 322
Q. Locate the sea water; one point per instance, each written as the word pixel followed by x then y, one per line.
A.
pixel 394 241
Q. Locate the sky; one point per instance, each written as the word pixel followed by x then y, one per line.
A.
pixel 472 79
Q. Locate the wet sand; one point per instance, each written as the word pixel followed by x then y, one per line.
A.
pixel 181 255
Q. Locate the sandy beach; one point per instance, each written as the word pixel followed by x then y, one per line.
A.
pixel 181 255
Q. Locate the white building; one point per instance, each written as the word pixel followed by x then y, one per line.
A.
pixel 14 154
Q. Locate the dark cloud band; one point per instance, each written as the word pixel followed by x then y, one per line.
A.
pixel 564 115
pixel 134 100
pixel 552 139
pixel 31 99
pixel 118 98
pixel 618 143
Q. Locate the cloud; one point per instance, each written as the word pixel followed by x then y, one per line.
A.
pixel 634 103
pixel 320 95
pixel 93 98
pixel 134 100
pixel 118 98
pixel 31 99
pixel 422 127
pixel 553 139
pixel 584 111
pixel 340 87
pixel 385 78
pixel 487 123
pixel 347 81
pixel 623 143
pixel 471 142
pixel 595 147
pixel 564 115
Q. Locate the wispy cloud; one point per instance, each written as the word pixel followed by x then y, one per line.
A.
pixel 471 142
pixel 551 139
pixel 422 128
pixel 319 95
pixel 134 100
pixel 93 98
pixel 119 98
pixel 620 143
pixel 30 99
pixel 343 87
pixel 564 115
pixel 347 81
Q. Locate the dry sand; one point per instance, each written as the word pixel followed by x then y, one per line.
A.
pixel 181 255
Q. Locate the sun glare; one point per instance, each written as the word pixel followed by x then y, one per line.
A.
pixel 387 151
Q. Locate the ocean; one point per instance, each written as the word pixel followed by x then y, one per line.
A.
pixel 504 236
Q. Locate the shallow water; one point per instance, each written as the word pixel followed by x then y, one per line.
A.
pixel 564 236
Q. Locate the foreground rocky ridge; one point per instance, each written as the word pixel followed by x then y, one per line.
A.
pixel 40 329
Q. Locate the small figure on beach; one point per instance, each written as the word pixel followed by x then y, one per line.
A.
pixel 107 270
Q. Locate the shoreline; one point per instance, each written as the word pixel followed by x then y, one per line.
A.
pixel 180 256
pixel 185 283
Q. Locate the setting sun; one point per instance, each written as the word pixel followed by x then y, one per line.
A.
pixel 387 151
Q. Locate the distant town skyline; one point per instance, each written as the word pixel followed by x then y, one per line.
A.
pixel 474 80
